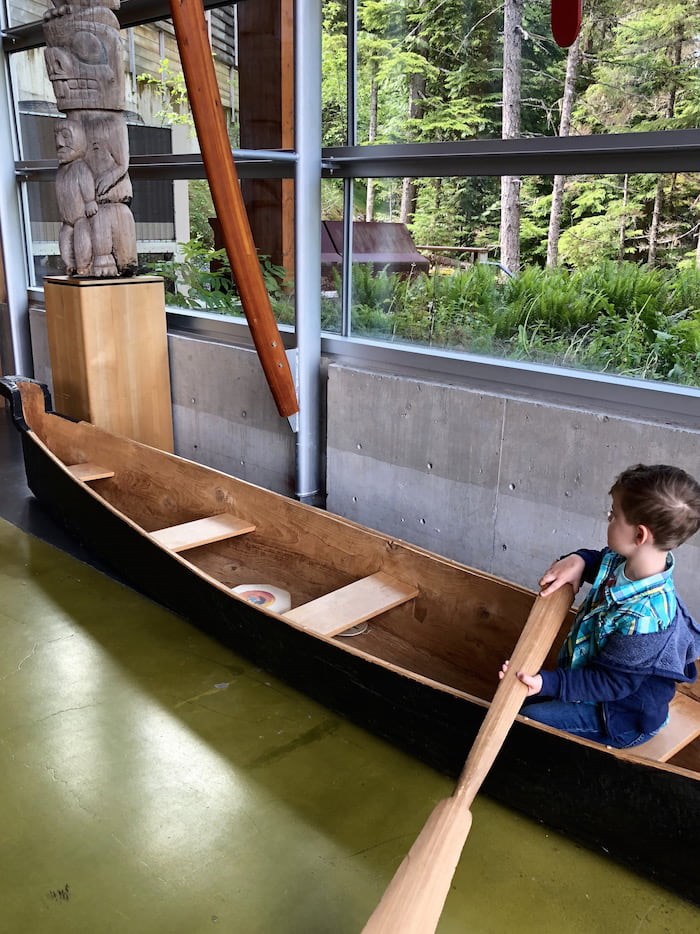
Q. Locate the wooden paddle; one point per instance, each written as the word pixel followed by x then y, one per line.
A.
pixel 413 902
pixel 205 101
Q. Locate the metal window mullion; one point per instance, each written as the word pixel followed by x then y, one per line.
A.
pixel 307 253
pixel 346 296
pixel 13 240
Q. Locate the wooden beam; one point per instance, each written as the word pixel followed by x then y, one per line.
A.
pixel 87 472
pixel 266 114
pixel 350 605
pixel 201 532
pixel 682 728
pixel 207 111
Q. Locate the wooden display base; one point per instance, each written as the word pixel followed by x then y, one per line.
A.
pixel 108 347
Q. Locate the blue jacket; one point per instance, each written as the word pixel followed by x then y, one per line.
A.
pixel 633 677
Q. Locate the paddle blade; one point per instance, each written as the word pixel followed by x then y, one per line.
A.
pixel 566 21
pixel 413 902
pixel 417 892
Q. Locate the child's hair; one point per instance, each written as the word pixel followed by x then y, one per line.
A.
pixel 664 499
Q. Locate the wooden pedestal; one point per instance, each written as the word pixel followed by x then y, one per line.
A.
pixel 109 355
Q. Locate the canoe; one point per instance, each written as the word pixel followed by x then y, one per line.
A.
pixel 402 641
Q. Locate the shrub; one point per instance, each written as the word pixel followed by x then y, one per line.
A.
pixel 614 317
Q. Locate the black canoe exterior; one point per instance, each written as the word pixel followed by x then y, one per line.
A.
pixel 646 817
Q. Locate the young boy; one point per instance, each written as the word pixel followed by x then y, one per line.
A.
pixel 632 638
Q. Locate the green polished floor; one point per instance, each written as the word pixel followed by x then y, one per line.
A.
pixel 153 781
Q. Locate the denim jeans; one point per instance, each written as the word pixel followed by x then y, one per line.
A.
pixel 582 719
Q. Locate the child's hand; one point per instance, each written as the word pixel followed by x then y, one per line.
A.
pixel 568 570
pixel 533 683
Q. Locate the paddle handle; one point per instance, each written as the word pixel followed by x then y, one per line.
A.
pixel 413 901
pixel 536 639
pixel 207 110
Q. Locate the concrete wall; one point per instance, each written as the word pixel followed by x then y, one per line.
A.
pixel 498 482
pixel 224 415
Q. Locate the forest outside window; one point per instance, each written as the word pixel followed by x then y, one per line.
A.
pixel 433 70
pixel 604 308
pixel 600 272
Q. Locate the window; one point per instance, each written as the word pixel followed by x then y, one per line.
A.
pixel 581 251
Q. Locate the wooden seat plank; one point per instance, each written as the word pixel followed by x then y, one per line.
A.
pixel 352 604
pixel 682 728
pixel 88 471
pixel 201 532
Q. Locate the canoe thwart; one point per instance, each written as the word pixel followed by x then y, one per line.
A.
pixel 682 728
pixel 87 472
pixel 350 605
pixel 201 532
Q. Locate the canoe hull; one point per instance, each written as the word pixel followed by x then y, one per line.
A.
pixel 645 816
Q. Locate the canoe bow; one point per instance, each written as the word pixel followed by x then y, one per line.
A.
pixel 208 113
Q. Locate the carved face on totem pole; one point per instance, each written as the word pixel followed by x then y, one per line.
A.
pixel 85 62
pixel 84 57
pixel 71 143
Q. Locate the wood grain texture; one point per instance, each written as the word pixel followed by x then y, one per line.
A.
pixel 682 728
pixel 208 114
pixel 462 620
pixel 108 346
pixel 201 532
pixel 413 902
pixel 350 605
pixel 87 472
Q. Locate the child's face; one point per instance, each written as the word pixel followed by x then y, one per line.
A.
pixel 622 537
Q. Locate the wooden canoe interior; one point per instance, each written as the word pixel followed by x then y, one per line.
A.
pixel 445 622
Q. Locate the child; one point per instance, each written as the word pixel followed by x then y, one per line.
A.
pixel 632 638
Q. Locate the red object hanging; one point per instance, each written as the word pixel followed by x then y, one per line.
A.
pixel 566 21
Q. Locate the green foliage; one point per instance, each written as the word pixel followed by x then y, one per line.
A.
pixel 437 68
pixel 614 317
pixel 191 282
pixel 170 83
pixel 433 69
pixel 201 209
pixel 202 280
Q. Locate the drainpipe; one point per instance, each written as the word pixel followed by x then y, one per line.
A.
pixel 307 253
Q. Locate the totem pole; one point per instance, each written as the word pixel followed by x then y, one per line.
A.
pixel 84 60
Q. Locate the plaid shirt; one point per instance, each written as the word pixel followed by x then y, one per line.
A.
pixel 618 605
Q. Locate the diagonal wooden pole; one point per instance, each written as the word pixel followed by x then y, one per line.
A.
pixel 207 110
pixel 413 902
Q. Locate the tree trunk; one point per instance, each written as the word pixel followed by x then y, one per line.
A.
pixel 416 96
pixel 510 185
pixel 623 218
pixel 573 61
pixel 372 135
pixel 655 220
pixel 676 54
pixel 408 200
